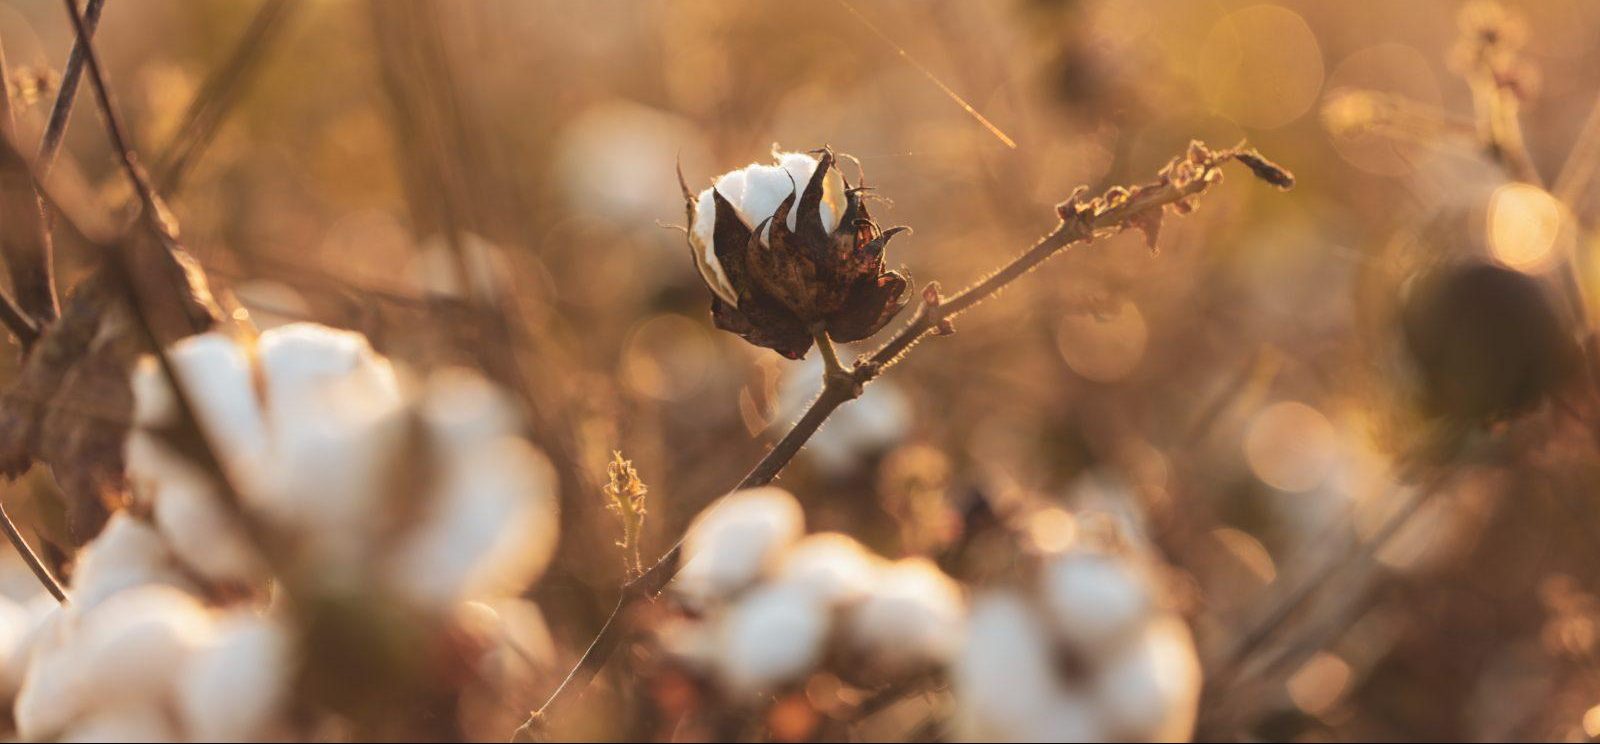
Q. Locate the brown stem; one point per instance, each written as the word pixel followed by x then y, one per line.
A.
pixel 1081 221
pixel 47 579
pixel 56 128
pixel 25 242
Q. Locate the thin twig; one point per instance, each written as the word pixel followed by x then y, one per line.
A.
pixel 31 558
pixel 56 128
pixel 120 262
pixel 25 241
pixel 1082 220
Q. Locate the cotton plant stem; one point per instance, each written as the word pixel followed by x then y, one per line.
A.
pixel 1082 221
pixel 47 579
pixel 60 113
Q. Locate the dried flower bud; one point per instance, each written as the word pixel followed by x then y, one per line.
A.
pixel 784 261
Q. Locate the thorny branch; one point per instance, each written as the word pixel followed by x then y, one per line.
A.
pixel 1083 220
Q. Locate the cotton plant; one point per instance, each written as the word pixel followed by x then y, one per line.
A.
pixel 767 605
pixel 793 261
pixel 390 503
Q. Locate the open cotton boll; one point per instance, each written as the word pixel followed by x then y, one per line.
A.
pixel 202 532
pixel 736 540
pixel 911 617
pixel 774 635
pixel 216 377
pixel 336 416
pixel 1004 680
pixel 124 653
pixel 236 687
pixel 1095 601
pixel 1150 691
pixel 755 191
pixel 133 645
pixel 127 553
pixel 15 625
pixel 489 528
pixel 832 565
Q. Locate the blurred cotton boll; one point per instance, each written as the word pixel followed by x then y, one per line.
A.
pixel 910 619
pixel 878 420
pixel 735 541
pixel 775 634
pixel 316 431
pixel 409 500
pixel 616 159
pixel 788 607
pixel 1084 654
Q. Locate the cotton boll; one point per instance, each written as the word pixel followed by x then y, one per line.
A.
pixel 15 624
pixel 301 356
pixel 336 415
pixel 48 698
pixel 127 553
pixel 1095 601
pixel 38 615
pixel 133 645
pixel 126 724
pixel 801 166
pixel 736 540
pixel 833 566
pixel 202 532
pixel 490 527
pixel 1005 683
pixel 774 635
pixel 877 420
pixel 911 617
pixel 217 378
pixel 236 687
pixel 1150 691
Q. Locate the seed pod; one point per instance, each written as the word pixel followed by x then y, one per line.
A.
pixel 784 261
pixel 1486 342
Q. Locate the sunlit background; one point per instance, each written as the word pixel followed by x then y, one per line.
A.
pixel 1244 390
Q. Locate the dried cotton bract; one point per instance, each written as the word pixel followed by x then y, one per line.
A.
pixel 788 251
pixel 1086 654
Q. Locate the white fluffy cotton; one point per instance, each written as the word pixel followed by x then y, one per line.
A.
pixel 1133 676
pixel 910 618
pixel 127 652
pixel 775 634
pixel 313 426
pixel 769 609
pixel 832 566
pixel 1005 682
pixel 236 687
pixel 1094 600
pixel 878 420
pixel 736 540
pixel 755 191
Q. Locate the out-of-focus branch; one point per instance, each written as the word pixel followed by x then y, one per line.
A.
pixel 25 241
pixel 189 433
pixel 206 112
pixel 60 113
pixel 1082 220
